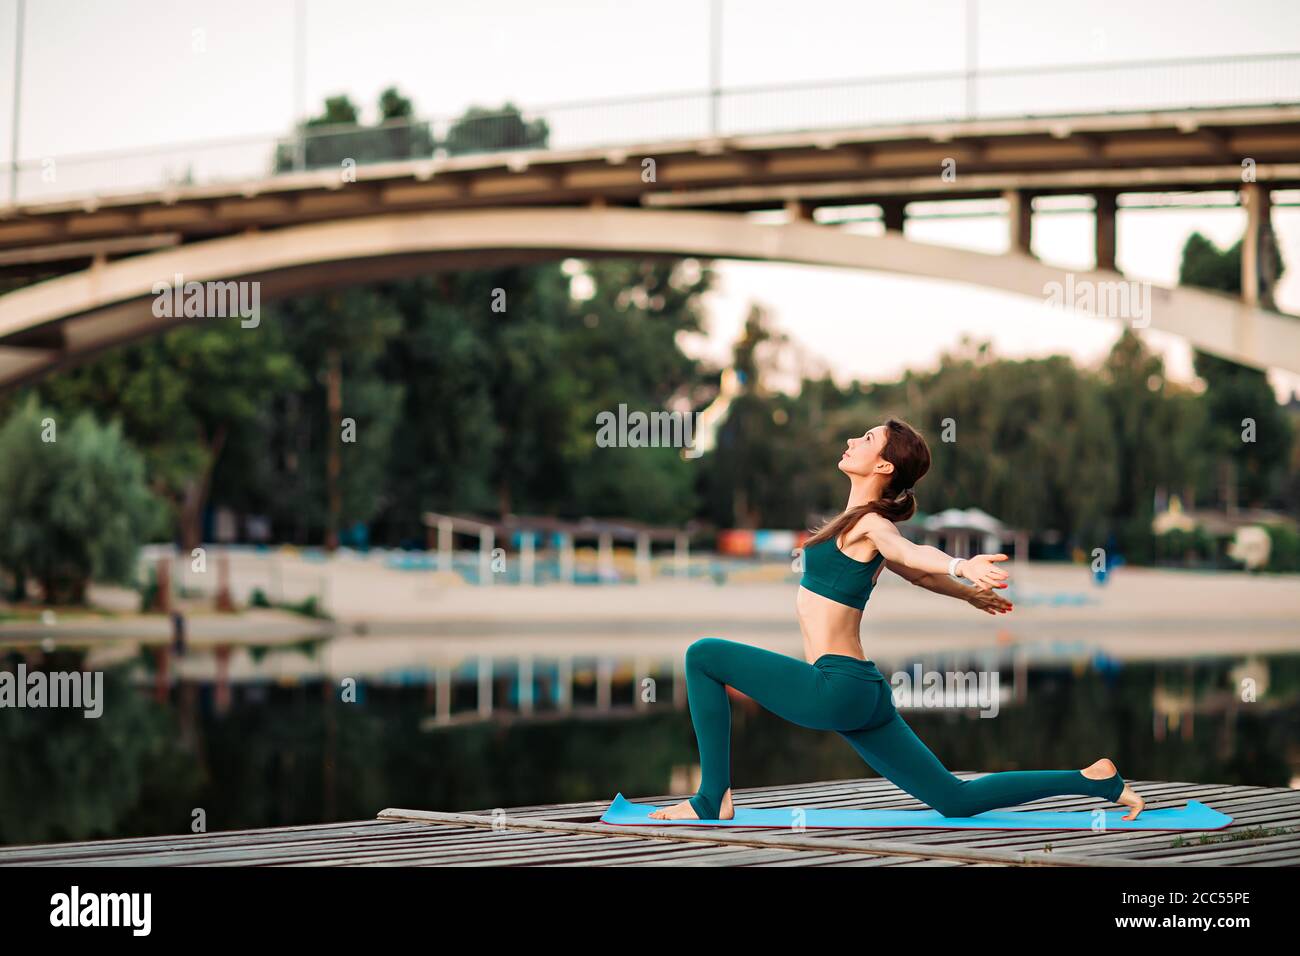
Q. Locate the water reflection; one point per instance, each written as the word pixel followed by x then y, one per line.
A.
pixel 282 735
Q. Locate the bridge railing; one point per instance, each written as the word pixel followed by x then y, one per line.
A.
pixel 1182 84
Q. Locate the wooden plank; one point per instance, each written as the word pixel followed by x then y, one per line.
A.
pixel 729 856
pixel 192 854
pixel 127 842
pixel 1238 851
pixel 711 856
pixel 1268 859
pixel 114 852
pixel 849 861
pixel 484 849
pixel 629 855
pixel 810 858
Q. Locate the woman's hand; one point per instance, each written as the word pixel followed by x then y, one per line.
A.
pixel 983 572
pixel 989 602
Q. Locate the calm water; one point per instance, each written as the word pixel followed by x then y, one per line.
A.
pixel 293 753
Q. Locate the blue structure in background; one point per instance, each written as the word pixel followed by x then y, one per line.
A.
pixel 357 536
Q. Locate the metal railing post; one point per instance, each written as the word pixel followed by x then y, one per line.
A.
pixel 18 90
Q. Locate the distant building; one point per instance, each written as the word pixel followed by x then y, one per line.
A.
pixel 1217 524
pixel 965 532
pixel 1240 534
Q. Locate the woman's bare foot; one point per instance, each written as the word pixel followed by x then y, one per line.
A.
pixel 684 810
pixel 1130 799
pixel 1102 769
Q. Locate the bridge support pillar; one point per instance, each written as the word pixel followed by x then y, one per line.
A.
pixel 1020 219
pixel 1258 247
pixel 894 215
pixel 799 210
pixel 1104 236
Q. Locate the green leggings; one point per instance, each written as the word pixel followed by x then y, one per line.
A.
pixel 852 698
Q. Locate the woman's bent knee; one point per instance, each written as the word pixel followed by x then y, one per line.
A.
pixel 952 805
pixel 704 649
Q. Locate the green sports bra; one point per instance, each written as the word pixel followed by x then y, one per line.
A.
pixel 830 572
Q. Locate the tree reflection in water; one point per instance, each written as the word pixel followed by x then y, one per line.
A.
pixel 284 755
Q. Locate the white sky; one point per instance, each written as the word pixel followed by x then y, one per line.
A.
pixel 135 73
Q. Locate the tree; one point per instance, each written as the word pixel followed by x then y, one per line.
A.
pixel 336 135
pixel 1030 444
pixel 73 502
pixel 483 130
pixel 506 371
pixel 1246 429
pixel 1155 427
pixel 748 476
pixel 316 457
pixel 179 398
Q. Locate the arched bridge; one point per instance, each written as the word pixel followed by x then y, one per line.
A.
pixel 307 230
pixel 47 324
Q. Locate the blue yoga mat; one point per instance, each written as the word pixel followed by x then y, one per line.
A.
pixel 1194 816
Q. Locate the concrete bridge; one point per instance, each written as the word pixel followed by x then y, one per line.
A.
pixel 309 230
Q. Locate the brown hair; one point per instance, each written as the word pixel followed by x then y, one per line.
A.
pixel 907 451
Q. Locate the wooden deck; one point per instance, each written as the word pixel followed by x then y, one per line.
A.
pixel 1265 832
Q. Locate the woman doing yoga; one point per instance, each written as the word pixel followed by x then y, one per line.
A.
pixel 840 689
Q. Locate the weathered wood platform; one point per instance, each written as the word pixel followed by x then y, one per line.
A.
pixel 1265 832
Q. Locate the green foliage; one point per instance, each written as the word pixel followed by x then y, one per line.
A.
pixel 1236 394
pixel 1189 547
pixel 339 110
pixel 1284 548
pixel 278 464
pixel 337 135
pixel 308 607
pixel 1205 266
pixel 70 508
pixel 1155 427
pixel 458 406
pixel 1032 441
pixel 180 397
pixel 483 130
pixel 148 589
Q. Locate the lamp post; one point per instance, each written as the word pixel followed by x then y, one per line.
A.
pixel 18 86
pixel 715 64
pixel 300 81
pixel 972 54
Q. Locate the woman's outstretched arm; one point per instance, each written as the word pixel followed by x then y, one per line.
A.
pixel 984 600
pixel 982 569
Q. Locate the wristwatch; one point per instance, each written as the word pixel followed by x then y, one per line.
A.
pixel 952 569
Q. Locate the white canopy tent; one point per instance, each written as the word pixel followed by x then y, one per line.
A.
pixel 964 532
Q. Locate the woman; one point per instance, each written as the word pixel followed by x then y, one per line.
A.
pixel 841 689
